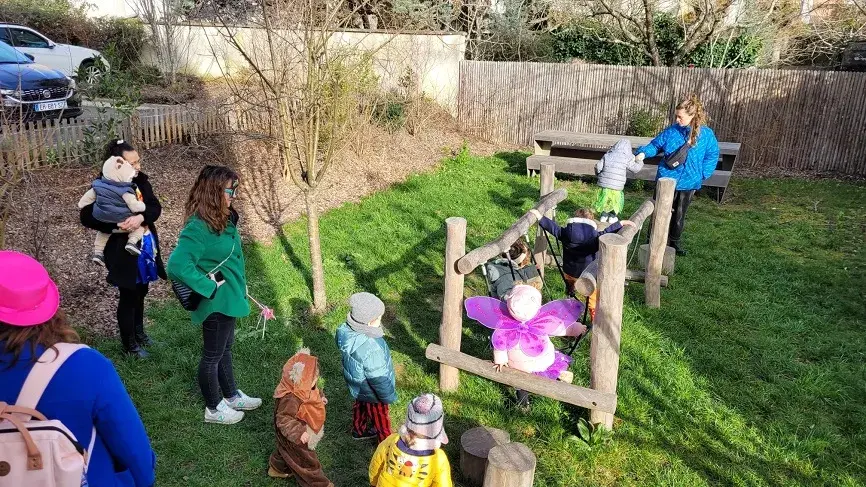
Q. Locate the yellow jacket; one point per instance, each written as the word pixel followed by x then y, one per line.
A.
pixel 393 467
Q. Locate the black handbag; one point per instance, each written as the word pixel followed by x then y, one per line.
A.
pixel 678 158
pixel 189 299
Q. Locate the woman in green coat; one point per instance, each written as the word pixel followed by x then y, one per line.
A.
pixel 209 259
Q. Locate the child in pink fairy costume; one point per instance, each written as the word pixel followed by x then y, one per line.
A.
pixel 523 327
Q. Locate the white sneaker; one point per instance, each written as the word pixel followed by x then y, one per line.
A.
pixel 243 402
pixel 223 414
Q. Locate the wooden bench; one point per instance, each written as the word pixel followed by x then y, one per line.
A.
pixel 577 153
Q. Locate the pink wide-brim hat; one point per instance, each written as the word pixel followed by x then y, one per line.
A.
pixel 28 296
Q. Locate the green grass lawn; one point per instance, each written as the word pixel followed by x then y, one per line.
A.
pixel 751 373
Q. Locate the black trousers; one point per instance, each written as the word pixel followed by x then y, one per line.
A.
pixel 215 371
pixel 130 316
pixel 682 200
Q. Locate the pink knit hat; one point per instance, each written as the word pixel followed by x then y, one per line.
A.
pixel 28 296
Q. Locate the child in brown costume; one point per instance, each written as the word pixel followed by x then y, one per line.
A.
pixel 299 420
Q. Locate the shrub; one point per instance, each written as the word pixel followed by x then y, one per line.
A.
pixel 645 122
pixel 391 112
pixel 582 40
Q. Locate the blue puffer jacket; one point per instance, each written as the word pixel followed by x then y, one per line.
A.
pixel 110 207
pixel 700 163
pixel 367 366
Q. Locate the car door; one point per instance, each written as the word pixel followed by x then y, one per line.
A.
pixel 43 51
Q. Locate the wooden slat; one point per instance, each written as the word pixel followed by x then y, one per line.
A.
pixel 560 391
pixel 596 141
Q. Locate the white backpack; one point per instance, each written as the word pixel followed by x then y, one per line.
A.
pixel 36 451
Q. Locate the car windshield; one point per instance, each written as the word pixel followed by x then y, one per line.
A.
pixel 9 55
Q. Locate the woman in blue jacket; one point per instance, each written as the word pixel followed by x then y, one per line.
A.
pixel 85 394
pixel 699 165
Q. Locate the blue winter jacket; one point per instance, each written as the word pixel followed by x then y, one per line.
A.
pixel 110 207
pixel 85 392
pixel 367 366
pixel 700 163
pixel 579 240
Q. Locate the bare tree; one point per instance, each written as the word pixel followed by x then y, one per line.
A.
pixel 831 27
pixel 164 19
pixel 632 23
pixel 310 91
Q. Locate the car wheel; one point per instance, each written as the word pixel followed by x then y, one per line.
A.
pixel 90 72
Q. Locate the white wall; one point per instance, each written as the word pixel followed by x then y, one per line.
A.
pixel 109 8
pixel 435 59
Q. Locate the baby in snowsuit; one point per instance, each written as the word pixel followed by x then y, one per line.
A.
pixel 116 199
pixel 612 171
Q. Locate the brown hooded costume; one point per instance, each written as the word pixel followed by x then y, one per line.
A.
pixel 300 408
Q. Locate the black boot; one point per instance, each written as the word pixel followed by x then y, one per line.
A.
pixel 677 247
pixel 522 400
pixel 131 347
pixel 143 339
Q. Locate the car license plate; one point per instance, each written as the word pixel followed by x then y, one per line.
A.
pixel 51 105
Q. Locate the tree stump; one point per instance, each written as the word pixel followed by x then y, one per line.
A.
pixel 475 445
pixel 667 262
pixel 510 465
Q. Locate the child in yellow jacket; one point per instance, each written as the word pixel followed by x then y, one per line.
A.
pixel 414 456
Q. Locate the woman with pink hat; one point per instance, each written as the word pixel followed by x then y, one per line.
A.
pixel 85 393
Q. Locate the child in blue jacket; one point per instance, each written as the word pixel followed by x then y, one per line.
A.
pixel 367 367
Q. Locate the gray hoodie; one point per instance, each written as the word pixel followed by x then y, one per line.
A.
pixel 612 167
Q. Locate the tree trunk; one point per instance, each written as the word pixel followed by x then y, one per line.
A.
pixel 650 27
pixel 316 268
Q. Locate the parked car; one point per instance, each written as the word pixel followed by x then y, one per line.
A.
pixel 31 91
pixel 854 57
pixel 84 64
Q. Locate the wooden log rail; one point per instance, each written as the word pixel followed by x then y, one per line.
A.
pixel 561 391
pixel 482 254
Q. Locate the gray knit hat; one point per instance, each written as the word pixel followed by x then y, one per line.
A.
pixel 365 307
pixel 425 416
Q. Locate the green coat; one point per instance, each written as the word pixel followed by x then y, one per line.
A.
pixel 200 249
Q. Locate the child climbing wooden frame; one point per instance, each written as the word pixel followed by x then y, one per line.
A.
pixel 610 273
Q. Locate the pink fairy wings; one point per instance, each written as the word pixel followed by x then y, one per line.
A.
pixel 552 319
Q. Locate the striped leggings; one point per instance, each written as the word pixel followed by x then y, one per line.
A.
pixel 366 415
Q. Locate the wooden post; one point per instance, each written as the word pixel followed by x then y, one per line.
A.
pixel 510 465
pixel 658 240
pixel 475 445
pixel 607 325
pixel 548 178
pixel 451 329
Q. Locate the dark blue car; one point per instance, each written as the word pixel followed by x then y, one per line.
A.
pixel 30 91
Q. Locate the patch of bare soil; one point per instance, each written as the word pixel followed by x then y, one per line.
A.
pixel 44 218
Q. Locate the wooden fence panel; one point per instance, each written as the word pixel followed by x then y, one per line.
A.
pixel 788 119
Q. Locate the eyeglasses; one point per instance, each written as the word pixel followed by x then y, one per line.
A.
pixel 233 191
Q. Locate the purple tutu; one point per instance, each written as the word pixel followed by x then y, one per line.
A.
pixel 560 363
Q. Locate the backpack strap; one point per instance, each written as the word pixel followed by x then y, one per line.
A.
pixel 39 377
pixel 43 371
